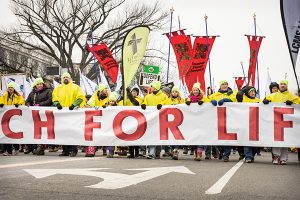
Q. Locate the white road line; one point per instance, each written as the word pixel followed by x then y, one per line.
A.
pixel 47 162
pixel 220 184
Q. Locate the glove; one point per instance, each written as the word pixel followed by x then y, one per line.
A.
pixel 104 106
pixel 288 103
pixel 265 101
pixel 128 90
pixel 1 105
pixel 58 106
pixel 200 103
pixel 16 105
pixel 71 107
pixel 158 106
pixel 214 102
pixel 222 101
pixel 27 104
pixel 143 106
pixel 36 104
pixel 188 103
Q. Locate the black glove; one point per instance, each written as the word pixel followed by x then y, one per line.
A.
pixel 265 101
pixel 188 103
pixel 104 106
pixel 16 105
pixel 58 106
pixel 288 102
pixel 71 107
pixel 1 105
pixel 128 90
pixel 200 103
pixel 143 106
pixel 158 106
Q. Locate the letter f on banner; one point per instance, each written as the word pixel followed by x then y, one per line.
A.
pixel 279 124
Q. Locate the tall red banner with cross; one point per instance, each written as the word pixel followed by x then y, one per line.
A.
pixel 254 43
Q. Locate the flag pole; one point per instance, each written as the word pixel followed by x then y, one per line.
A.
pixel 205 17
pixel 179 23
pixel 256 54
pixel 243 69
pixel 172 10
pixel 93 52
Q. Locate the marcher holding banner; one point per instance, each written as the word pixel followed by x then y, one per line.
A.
pixel 156 98
pixel 282 96
pixel 11 97
pixel 100 97
pixel 40 95
pixel 197 96
pixel 224 94
pixel 247 95
pixel 68 95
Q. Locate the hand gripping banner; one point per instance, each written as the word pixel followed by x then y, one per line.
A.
pixel 105 58
pixel 236 124
pixel 254 43
pixel 200 54
pixel 182 47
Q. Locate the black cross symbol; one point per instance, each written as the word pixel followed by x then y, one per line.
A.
pixel 134 43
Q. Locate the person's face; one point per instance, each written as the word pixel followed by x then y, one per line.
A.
pixel 10 90
pixel 274 89
pixel 134 93
pixel 104 92
pixel 66 80
pixel 224 87
pixel 174 93
pixel 282 87
pixel 153 89
pixel 39 86
pixel 196 92
pixel 252 93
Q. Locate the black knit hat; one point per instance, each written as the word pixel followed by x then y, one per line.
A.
pixel 273 84
pixel 136 89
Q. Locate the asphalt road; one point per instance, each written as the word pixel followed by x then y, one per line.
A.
pixel 52 177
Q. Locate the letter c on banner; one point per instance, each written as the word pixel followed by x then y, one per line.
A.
pixel 5 124
pixel 140 131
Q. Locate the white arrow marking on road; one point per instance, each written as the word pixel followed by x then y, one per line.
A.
pixel 220 184
pixel 111 180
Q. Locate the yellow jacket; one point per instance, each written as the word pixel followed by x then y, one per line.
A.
pixel 249 100
pixel 66 95
pixel 14 99
pixel 281 97
pixel 218 96
pixel 154 99
pixel 95 101
pixel 172 101
pixel 138 98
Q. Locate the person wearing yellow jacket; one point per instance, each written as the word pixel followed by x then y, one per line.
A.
pixel 68 95
pixel 247 95
pixel 282 96
pixel 156 98
pixel 224 94
pixel 100 97
pixel 11 97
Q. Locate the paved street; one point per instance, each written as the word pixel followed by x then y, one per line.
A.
pixel 53 177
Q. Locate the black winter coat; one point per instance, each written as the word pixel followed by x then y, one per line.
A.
pixel 42 97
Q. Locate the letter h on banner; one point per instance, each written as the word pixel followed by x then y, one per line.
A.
pixel 38 124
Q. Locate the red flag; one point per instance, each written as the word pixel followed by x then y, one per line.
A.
pixel 182 47
pixel 105 58
pixel 239 81
pixel 201 50
pixel 254 43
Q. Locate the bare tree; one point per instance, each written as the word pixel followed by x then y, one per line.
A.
pixel 59 27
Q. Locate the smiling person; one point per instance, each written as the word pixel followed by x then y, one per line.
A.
pixel 11 97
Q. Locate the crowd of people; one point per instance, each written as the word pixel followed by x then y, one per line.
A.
pixel 69 95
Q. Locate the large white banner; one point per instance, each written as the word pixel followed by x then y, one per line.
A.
pixel 236 124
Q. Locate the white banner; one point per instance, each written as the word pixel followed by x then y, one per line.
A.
pixel 236 124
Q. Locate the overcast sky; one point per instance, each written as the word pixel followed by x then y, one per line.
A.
pixel 230 19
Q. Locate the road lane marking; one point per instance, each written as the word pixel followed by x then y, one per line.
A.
pixel 46 162
pixel 220 184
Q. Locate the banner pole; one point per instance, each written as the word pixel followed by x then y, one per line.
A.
pixel 243 69
pixel 179 23
pixel 205 17
pixel 258 90
pixel 172 10
pixel 94 66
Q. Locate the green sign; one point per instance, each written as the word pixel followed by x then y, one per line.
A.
pixel 151 69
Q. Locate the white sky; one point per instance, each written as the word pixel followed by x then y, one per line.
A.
pixel 230 19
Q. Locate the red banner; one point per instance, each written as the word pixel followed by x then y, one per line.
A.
pixel 105 58
pixel 239 81
pixel 182 47
pixel 201 50
pixel 254 43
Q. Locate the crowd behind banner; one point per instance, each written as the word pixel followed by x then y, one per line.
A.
pixel 69 95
